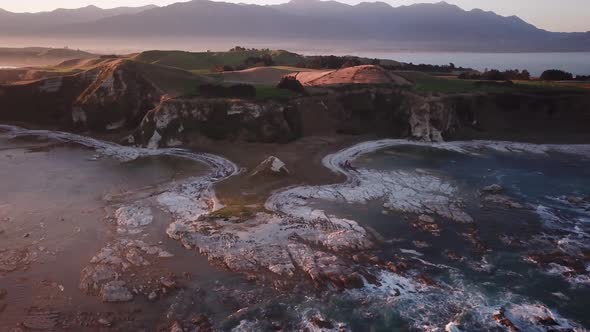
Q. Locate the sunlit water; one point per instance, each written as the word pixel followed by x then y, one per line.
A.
pixel 52 202
pixel 494 272
pixel 54 199
pixel 573 62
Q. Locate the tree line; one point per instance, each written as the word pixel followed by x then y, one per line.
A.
pixel 509 75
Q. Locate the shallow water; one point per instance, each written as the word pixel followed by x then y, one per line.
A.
pixel 54 202
pixel 58 199
pixel 536 63
pixel 497 273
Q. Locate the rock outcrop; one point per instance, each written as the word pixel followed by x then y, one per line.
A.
pixel 271 165
pixel 110 96
pixel 173 121
pixel 494 195
pixel 386 112
pixel 284 246
pixel 121 94
pixel 110 273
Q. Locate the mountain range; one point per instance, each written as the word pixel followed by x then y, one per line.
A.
pixel 437 27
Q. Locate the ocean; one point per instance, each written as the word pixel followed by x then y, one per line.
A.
pixel 577 63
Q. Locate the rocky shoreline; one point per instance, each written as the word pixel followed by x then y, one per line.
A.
pixel 284 242
pixel 292 243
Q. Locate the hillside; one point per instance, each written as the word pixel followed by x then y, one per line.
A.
pixel 365 74
pixel 39 56
pixel 438 26
pixel 207 60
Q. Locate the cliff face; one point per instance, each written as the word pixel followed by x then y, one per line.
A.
pixel 107 97
pixel 117 95
pixel 174 121
pixel 385 112
pixel 543 118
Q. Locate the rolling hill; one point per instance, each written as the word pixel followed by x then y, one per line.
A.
pixel 39 56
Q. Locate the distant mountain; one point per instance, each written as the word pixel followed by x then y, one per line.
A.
pixel 438 26
pixel 33 22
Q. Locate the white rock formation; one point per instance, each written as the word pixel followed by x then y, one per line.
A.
pixel 271 165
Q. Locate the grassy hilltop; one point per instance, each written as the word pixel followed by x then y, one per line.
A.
pixel 205 61
pixel 180 73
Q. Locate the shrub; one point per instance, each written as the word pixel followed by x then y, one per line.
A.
pixel 496 75
pixel 351 63
pixel 291 83
pixel 493 75
pixel 221 68
pixel 556 75
pixel 238 49
pixel 262 61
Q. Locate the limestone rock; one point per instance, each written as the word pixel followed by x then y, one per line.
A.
pixel 176 327
pixel 493 194
pixel 503 200
pixel 280 244
pixel 174 120
pixel 115 291
pixel 271 165
pixel 492 189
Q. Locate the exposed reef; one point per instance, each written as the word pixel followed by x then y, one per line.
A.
pixel 295 243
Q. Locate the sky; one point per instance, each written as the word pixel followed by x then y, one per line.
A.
pixel 553 15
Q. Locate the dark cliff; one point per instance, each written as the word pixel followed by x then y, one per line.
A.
pixel 118 97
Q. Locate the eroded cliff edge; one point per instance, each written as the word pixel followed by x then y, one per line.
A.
pixel 128 99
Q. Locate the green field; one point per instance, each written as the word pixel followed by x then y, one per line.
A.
pixel 266 92
pixel 173 81
pixel 425 83
pixel 178 82
pixel 199 61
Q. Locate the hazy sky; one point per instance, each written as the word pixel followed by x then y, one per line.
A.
pixel 554 15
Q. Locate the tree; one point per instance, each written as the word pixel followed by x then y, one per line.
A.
pixel 291 83
pixel 556 75
pixel 352 62
pixel 263 61
pixel 238 49
pixel 496 75
pixel 493 75
pixel 525 75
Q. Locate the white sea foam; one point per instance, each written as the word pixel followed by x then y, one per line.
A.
pixel 221 167
pixel 187 200
pixel 413 192
pixel 456 307
pixel 428 308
